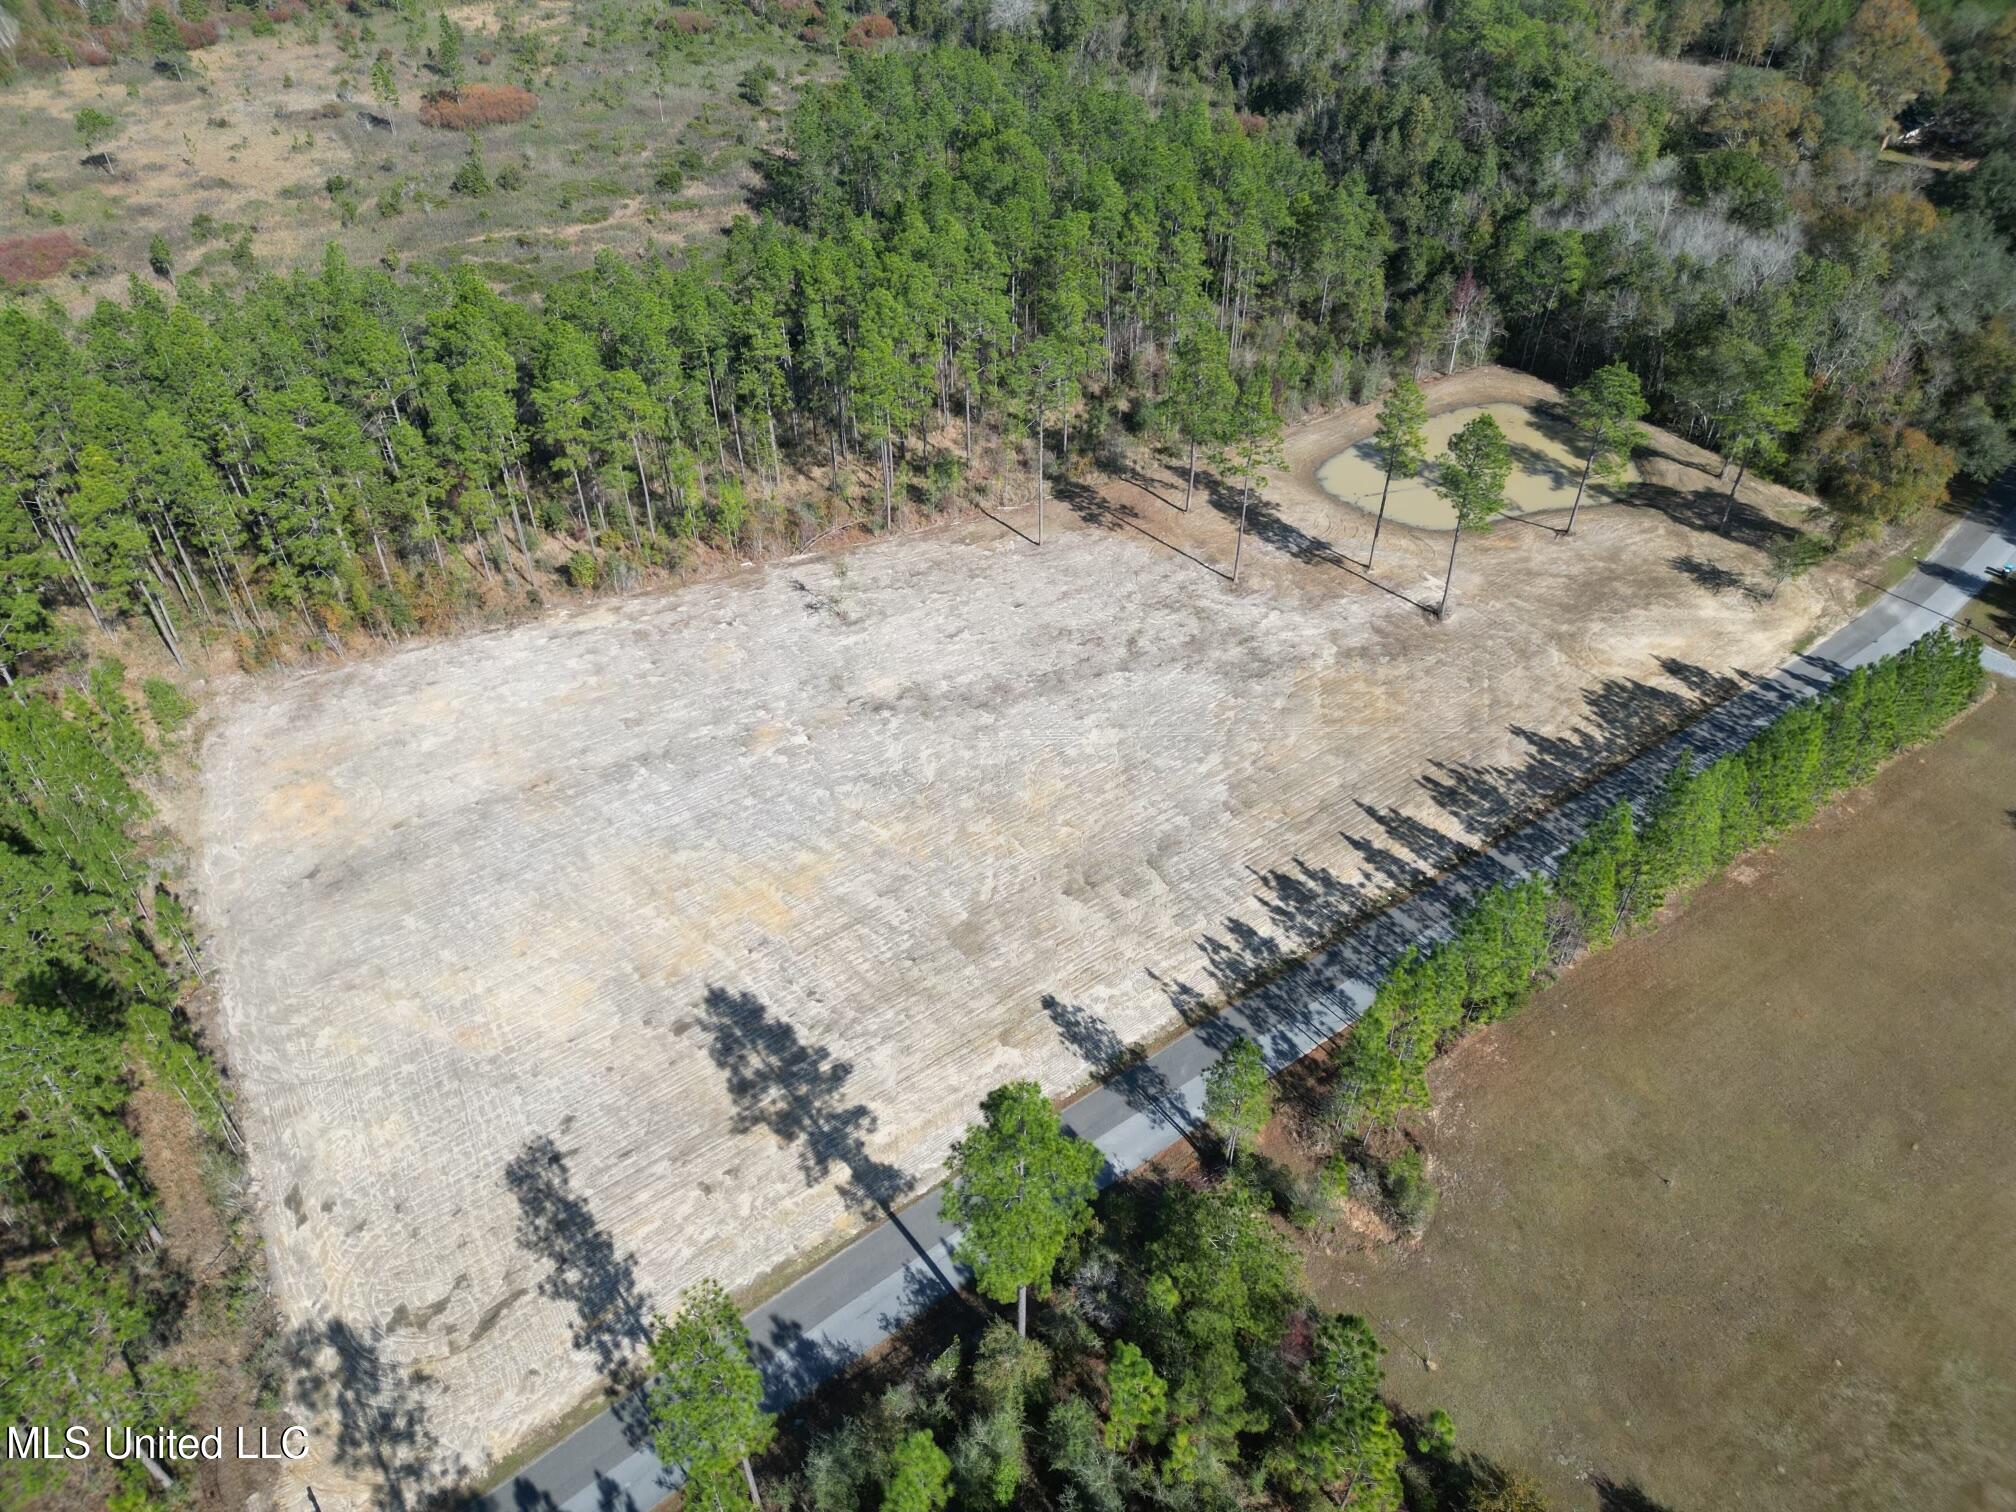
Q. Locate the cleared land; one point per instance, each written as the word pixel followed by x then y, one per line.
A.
pixel 1546 468
pixel 1726 1213
pixel 561 966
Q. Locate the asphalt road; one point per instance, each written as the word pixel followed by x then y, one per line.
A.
pixel 817 1325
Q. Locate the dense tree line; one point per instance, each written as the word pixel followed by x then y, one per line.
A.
pixel 964 247
pixel 1179 1365
pixel 95 957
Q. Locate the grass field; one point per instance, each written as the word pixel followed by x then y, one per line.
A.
pixel 1726 1212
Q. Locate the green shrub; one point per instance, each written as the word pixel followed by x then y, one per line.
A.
pixel 581 570
pixel 1409 1192
pixel 168 704
pixel 755 85
pixel 470 178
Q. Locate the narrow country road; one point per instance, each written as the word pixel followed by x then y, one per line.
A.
pixel 816 1326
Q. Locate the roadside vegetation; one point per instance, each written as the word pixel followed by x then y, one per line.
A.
pixel 131 1289
pixel 1181 1363
pixel 1779 1111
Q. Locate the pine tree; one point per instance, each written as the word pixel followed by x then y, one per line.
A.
pixel 1402 440
pixel 1596 875
pixel 920 1476
pixel 1238 1095
pixel 1472 476
pixel 705 1401
pixel 1606 408
pixel 1255 442
pixel 448 53
pixel 1137 1399
pixel 68 1326
pixel 1201 393
pixel 164 40
pixel 1021 1190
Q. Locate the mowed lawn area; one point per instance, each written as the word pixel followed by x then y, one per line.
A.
pixel 1727 1216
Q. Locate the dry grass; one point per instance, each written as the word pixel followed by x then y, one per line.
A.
pixel 253 144
pixel 29 259
pixel 869 32
pixel 1726 1213
pixel 476 106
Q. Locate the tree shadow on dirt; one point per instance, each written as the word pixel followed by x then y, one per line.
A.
pixel 1713 576
pixel 1123 1067
pixel 1622 1496
pixel 798 1092
pixel 612 1314
pixel 1704 509
pixel 1626 716
pixel 380 1414
pixel 1094 508
pixel 1266 524
pixel 1360 926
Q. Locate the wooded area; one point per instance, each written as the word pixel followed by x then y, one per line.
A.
pixel 1023 239
pixel 968 246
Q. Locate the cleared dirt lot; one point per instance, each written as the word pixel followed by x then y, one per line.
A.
pixel 1726 1213
pixel 564 965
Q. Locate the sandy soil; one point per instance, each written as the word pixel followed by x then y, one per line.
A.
pixel 563 965
pixel 1546 468
pixel 1726 1218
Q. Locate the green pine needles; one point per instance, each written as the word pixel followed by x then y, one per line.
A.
pixel 1021 1189
pixel 706 1399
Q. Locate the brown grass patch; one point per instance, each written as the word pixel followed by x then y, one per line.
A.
pixel 1727 1207
pixel 689 23
pixel 478 105
pixel 30 259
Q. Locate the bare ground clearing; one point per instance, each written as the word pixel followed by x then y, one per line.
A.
pixel 563 965
pixel 1726 1216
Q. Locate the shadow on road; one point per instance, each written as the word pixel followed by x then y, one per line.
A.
pixel 1123 1067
